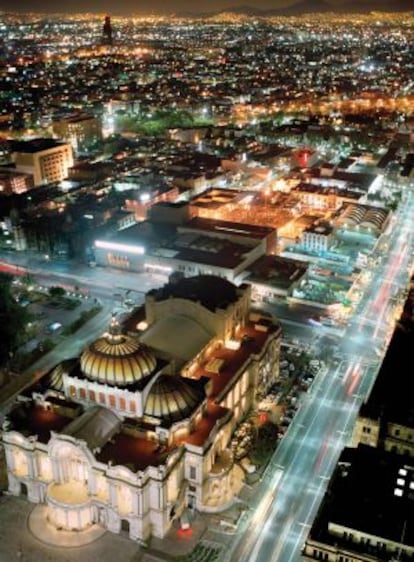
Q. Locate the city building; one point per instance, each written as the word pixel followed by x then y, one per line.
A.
pixel 137 429
pixel 363 219
pixel 81 130
pixel 317 197
pixel 174 240
pixel 45 159
pixel 12 181
pixel 368 512
pixel 386 419
pixel 273 277
pixel 317 237
pixel 107 31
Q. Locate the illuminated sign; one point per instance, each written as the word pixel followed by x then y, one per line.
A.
pixel 138 250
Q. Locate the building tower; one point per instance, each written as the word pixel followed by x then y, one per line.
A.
pixel 107 31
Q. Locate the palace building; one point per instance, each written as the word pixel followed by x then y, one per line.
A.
pixel 137 429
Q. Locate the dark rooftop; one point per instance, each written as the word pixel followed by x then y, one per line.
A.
pixel 277 271
pixel 362 496
pixel 228 228
pixel 35 145
pixel 134 452
pixel 212 292
pixel 391 397
pixel 31 419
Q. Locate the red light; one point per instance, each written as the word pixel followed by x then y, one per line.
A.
pixel 185 533
pixel 263 418
pixel 304 158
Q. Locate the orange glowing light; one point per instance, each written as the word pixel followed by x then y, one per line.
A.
pixel 185 533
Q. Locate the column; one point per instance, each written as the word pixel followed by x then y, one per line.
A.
pixel 113 499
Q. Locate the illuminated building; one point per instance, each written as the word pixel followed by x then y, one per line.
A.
pixel 12 181
pixel 274 277
pixel 137 429
pixel 107 31
pixel 317 237
pixel 80 130
pixel 362 219
pixel 46 160
pixel 173 241
pixel 316 197
pixel 386 419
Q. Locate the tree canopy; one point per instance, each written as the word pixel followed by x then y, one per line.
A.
pixel 13 319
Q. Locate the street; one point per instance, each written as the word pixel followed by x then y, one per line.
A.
pixel 289 495
pixel 286 501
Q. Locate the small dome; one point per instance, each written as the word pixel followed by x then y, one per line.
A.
pixel 54 379
pixel 116 359
pixel 172 399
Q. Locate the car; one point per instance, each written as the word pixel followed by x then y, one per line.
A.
pixel 314 322
pixel 53 327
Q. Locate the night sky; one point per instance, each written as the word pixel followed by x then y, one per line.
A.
pixel 162 6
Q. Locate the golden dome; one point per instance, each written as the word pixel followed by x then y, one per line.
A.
pixel 55 377
pixel 116 359
pixel 173 398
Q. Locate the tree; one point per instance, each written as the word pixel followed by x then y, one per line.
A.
pixel 13 320
pixel 57 292
pixel 28 279
pixel 265 443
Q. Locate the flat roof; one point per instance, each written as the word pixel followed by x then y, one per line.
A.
pixel 214 198
pixel 135 453
pixel 210 291
pixel 228 228
pixel 208 250
pixel 276 271
pixel 362 496
pixel 31 419
pixel 35 145
pixel 252 343
pixel 319 228
pixel 391 397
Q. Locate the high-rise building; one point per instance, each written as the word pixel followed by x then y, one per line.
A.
pixel 45 159
pixel 367 513
pixel 107 31
pixel 80 129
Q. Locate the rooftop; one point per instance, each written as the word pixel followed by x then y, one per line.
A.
pixel 228 228
pixel 391 395
pixel 210 291
pixel 211 416
pixel 276 271
pixel 30 419
pixel 135 453
pixel 222 364
pixel 35 145
pixel 363 496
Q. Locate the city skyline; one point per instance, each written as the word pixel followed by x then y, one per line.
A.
pixel 206 281
pixel 204 6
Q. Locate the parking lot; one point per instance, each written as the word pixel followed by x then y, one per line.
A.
pixel 49 314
